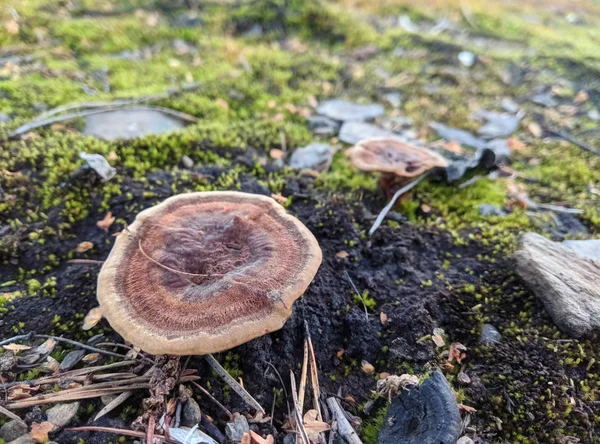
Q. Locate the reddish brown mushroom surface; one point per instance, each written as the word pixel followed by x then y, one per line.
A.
pixel 204 272
pixel 387 155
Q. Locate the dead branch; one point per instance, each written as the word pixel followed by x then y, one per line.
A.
pixel 119 432
pixel 343 426
pixel 297 412
pixel 233 383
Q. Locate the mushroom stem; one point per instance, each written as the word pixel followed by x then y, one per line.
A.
pixel 233 383
pixel 392 201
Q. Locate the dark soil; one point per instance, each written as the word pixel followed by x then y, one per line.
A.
pixel 399 267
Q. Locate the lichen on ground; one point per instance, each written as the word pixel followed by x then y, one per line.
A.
pixel 260 68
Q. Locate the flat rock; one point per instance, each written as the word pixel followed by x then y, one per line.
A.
pixel 587 249
pixel 354 132
pixel 129 123
pixel 316 156
pixel 62 414
pixel 13 429
pixel 425 414
pixel 71 360
pixel 26 439
pixel 343 111
pixel 323 126
pixel 567 283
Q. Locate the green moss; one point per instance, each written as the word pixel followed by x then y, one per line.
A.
pixel 370 432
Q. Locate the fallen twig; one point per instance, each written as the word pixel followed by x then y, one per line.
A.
pixel 357 293
pixel 343 426
pixel 119 399
pixel 119 432
pixel 213 399
pixel 86 392
pixel 233 383
pixel 566 136
pixel 9 414
pixel 297 411
pixel 392 201
pixel 84 262
pixel 314 374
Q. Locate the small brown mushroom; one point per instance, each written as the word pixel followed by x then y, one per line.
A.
pixel 396 160
pixel 205 272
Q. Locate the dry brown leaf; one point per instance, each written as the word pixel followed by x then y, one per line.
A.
pixel 92 357
pixel 340 353
pixel 276 154
pixel 12 27
pixel 453 147
pixel 16 348
pixel 438 337
pixel 112 156
pixel 92 318
pixel 457 352
pixel 222 103
pixel 39 431
pixel 581 97
pixel 367 367
pixel 105 223
pixel 313 426
pixel 466 408
pixel 257 439
pixel 535 129
pixel 384 375
pixel 342 254
pixel 84 246
pixel 279 198
pixel 515 144
pixel 383 318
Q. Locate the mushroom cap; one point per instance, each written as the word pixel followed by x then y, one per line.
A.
pixel 388 155
pixel 204 272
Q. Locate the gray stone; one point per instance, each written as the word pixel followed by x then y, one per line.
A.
pixel 129 123
pixel 316 156
pixel 187 162
pixel 509 105
pixel 13 429
pixel 587 249
pixel 71 360
pixel 489 334
pixel 191 413
pixel 62 414
pixel 457 135
pixel 467 58
pixel 323 126
pixel 394 99
pixel 567 284
pixel 354 132
pixel 499 147
pixel 545 99
pixel 235 430
pixel 464 440
pixel 26 439
pixel 487 210
pixel 498 124
pixel 4 117
pixel 341 110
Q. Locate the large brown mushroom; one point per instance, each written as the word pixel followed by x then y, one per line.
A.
pixel 205 272
pixel 393 158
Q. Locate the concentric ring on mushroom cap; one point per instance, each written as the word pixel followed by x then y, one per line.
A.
pixel 205 272
pixel 388 155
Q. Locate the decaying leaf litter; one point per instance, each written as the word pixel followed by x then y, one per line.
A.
pixel 448 267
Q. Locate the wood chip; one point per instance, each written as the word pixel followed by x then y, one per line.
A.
pixel 383 318
pixel 16 348
pixel 368 368
pixel 342 254
pixel 105 223
pixel 91 358
pixel 84 246
pixel 92 318
pixel 276 154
